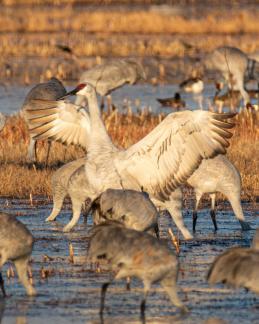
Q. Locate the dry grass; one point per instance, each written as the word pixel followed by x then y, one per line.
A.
pixel 18 179
pixel 136 21
pixel 29 35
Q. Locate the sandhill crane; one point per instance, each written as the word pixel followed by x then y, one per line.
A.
pixel 194 85
pixel 51 90
pixel 132 208
pixel 70 180
pixel 112 75
pixel 106 78
pixel 218 175
pixel 234 65
pixel 16 244
pixel 61 188
pixel 232 98
pixel 158 164
pixel 174 102
pixel 237 267
pixel 54 124
pixel 133 253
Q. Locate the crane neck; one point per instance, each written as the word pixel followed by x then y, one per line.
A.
pixel 97 125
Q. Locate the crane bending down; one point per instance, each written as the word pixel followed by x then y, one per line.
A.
pixel 131 208
pixel 51 90
pixel 111 75
pixel 234 65
pixel 237 267
pixel 158 164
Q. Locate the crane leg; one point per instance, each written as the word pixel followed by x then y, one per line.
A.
pixel 2 285
pixel 128 281
pixel 195 211
pixel 156 229
pixel 194 219
pixel 212 211
pixel 143 303
pixel 103 293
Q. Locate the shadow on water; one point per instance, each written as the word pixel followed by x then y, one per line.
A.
pixel 69 290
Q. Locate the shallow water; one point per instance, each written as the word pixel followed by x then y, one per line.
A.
pixel 71 292
pixel 138 97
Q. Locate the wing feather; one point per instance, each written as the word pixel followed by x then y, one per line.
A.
pixel 58 120
pixel 168 155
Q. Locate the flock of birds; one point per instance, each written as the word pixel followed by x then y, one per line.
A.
pixel 236 69
pixel 124 189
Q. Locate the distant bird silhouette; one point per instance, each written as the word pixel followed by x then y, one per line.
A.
pixel 237 267
pixel 194 85
pixel 51 90
pixel 64 48
pixel 68 50
pixel 175 102
pixel 133 253
pixel 16 244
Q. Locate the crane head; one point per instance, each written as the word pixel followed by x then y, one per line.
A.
pixel 82 88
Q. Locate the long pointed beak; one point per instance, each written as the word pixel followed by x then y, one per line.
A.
pixel 70 93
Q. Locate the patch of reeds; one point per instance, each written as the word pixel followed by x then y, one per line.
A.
pixel 20 179
pixel 29 32
pixel 52 19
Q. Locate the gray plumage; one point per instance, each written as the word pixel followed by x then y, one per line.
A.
pixel 16 244
pixel 160 162
pixel 218 175
pixel 51 90
pixel 132 208
pixel 237 267
pixel 132 253
pixel 69 180
pixel 234 65
pixel 111 75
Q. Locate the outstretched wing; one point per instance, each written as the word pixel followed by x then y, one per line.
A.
pixel 167 156
pixel 58 120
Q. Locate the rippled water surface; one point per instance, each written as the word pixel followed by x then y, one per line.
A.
pixel 70 292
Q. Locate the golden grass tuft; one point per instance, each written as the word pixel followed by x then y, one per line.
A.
pixel 52 19
pixel 19 179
